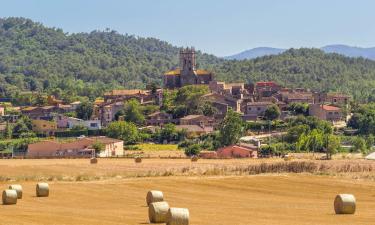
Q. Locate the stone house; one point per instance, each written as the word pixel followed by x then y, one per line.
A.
pixel 40 113
pixel 44 127
pixel 159 118
pixel 77 148
pixel 257 108
pixel 325 112
pixel 200 120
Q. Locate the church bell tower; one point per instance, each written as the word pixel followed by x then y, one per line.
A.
pixel 188 66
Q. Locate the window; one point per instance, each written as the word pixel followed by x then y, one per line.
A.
pixel 93 125
pixel 259 108
pixel 249 108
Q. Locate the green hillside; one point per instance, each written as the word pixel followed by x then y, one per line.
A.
pixel 36 58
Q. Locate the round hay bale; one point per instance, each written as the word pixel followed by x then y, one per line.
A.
pixel 42 190
pixel 178 216
pixel 138 159
pixel 18 189
pixel 344 204
pixel 9 197
pixel 94 160
pixel 194 158
pixel 154 196
pixel 157 212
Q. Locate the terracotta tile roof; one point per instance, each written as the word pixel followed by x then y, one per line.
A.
pixel 329 108
pixel 265 84
pixel 125 92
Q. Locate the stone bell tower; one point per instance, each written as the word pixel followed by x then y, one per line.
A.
pixel 188 66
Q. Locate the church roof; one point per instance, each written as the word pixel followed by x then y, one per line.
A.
pixel 178 72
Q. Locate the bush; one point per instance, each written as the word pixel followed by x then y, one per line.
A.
pixel 193 150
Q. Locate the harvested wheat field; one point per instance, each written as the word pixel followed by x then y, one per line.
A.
pixel 260 199
pixel 234 192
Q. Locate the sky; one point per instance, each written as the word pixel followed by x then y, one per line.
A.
pixel 220 27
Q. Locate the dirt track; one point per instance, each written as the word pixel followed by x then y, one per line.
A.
pixel 268 199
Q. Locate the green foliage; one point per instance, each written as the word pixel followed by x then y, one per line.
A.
pixel 231 128
pixel 272 112
pixel 333 145
pixel 192 150
pixel 363 119
pixel 98 147
pixel 191 97
pixel 36 58
pixel 299 108
pixel 84 110
pixel 169 133
pixel 123 130
pixel 23 127
pixel 133 112
pixel 359 145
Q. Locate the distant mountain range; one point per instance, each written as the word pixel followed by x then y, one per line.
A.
pixel 350 51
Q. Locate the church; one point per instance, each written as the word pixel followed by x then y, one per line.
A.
pixel 187 73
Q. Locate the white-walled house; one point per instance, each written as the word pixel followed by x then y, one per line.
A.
pixel 70 122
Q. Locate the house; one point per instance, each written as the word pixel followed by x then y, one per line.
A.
pixel 77 148
pixel 223 102
pixel 266 89
pixel 195 130
pixel 236 151
pixel 257 108
pixel 187 73
pixel 297 97
pixel 107 112
pixel 199 120
pixel 45 127
pixel 325 112
pixel 39 113
pixel 337 99
pixel 235 90
pixel 70 122
pixel 143 96
pixel 159 118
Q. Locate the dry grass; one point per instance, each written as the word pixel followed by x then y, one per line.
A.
pixel 282 200
pixel 82 170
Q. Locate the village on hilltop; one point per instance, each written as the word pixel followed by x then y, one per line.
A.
pixel 250 100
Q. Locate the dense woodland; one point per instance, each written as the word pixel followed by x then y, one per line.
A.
pixel 36 58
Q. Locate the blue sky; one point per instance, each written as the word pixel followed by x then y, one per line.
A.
pixel 220 27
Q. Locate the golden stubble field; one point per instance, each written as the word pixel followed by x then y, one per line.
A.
pixel 212 200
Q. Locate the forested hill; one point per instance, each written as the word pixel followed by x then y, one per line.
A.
pixel 308 68
pixel 37 58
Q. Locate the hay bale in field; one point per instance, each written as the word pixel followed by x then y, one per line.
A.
pixel 154 196
pixel 18 189
pixel 42 190
pixel 9 197
pixel 344 204
pixel 94 160
pixel 178 216
pixel 194 158
pixel 157 212
pixel 137 159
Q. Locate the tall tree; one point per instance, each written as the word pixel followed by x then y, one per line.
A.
pixel 231 128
